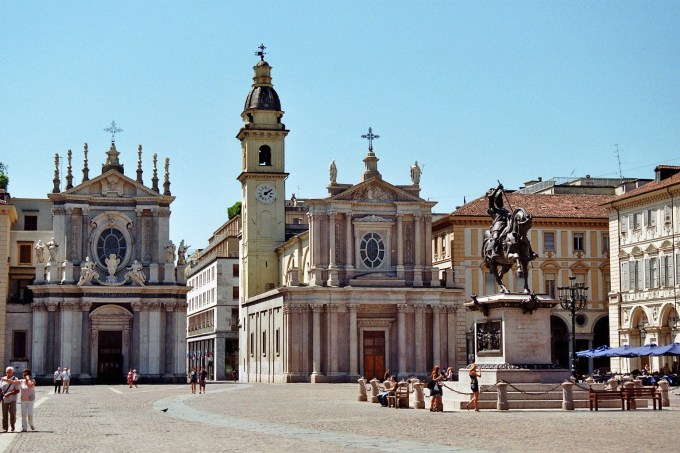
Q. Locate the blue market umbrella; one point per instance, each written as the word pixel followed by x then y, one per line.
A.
pixel 591 352
pixel 647 349
pixel 621 351
pixel 666 349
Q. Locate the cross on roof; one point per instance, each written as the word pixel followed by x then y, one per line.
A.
pixel 113 129
pixel 261 53
pixel 370 137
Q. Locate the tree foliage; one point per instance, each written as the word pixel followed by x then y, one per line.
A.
pixel 234 210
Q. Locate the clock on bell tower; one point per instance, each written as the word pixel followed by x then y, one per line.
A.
pixel 262 178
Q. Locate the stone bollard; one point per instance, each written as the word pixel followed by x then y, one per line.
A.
pixel 374 390
pixel 419 397
pixel 502 403
pixel 613 384
pixel 590 380
pixel 567 396
pixel 663 388
pixel 362 390
pixel 630 385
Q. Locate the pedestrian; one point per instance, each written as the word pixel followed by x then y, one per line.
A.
pixel 58 376
pixel 436 390
pixel 202 378
pixel 135 377
pixel 474 386
pixel 27 385
pixel 9 388
pixel 130 377
pixel 192 379
pixel 66 378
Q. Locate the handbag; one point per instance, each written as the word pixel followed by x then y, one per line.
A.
pixel 431 384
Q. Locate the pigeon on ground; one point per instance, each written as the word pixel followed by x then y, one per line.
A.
pixel 164 410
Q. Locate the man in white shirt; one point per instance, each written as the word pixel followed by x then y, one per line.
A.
pixel 66 377
pixel 58 376
pixel 10 388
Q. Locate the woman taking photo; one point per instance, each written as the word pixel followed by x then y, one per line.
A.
pixel 474 386
pixel 27 386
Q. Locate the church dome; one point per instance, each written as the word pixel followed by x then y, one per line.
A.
pixel 262 98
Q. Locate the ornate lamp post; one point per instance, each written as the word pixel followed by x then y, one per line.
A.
pixel 573 299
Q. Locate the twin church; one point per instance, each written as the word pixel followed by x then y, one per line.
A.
pixel 354 295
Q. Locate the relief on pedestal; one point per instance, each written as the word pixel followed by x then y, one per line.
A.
pixel 489 336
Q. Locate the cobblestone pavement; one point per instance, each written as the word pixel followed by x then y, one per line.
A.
pixel 319 417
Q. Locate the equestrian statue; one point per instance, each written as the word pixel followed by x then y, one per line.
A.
pixel 506 242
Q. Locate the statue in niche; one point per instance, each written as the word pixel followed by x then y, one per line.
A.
pixel 506 242
pixel 87 272
pixel 112 263
pixel 40 252
pixel 333 172
pixel 181 253
pixel 170 252
pixel 136 274
pixel 53 249
pixel 415 173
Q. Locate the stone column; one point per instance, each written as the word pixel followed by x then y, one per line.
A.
pixel 436 336
pixel 85 342
pixel 332 264
pixel 349 246
pixel 401 322
pixel 134 349
pixel 170 340
pixel 66 337
pixel 353 340
pixel 154 338
pixel 126 348
pixel 180 348
pixel 332 310
pixel 400 246
pixel 418 243
pixel 421 365
pixel 451 336
pixel 315 264
pixel 52 337
pixel 39 346
pixel 432 272
pixel 94 353
pixel 316 347
pixel 143 345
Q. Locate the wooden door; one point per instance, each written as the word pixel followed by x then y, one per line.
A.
pixel 374 354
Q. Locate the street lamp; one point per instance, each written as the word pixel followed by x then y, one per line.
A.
pixel 573 299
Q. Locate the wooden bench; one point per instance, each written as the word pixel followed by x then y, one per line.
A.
pixel 596 395
pixel 635 393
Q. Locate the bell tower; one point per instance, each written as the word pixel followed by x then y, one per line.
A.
pixel 262 178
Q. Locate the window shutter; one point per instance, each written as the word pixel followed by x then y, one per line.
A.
pixel 644 218
pixel 662 271
pixel 624 223
pixel 647 281
pixel 624 277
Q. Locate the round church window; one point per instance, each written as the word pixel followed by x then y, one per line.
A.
pixel 111 241
pixel 372 250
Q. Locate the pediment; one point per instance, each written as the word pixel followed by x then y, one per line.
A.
pixel 375 190
pixel 111 184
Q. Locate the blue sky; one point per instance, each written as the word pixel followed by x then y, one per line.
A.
pixel 475 91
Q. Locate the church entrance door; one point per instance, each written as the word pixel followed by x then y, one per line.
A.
pixel 374 354
pixel 110 353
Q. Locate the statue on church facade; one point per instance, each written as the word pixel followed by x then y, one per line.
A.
pixel 333 170
pixel 136 274
pixel 415 173
pixel 170 252
pixel 87 273
pixel 506 242
pixel 40 252
pixel 53 250
pixel 181 253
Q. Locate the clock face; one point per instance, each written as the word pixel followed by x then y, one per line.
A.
pixel 266 193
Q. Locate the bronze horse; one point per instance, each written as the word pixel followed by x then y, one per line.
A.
pixel 514 248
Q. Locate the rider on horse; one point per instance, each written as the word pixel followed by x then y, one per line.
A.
pixel 500 217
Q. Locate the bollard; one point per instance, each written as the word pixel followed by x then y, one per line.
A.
pixel 663 388
pixel 630 385
pixel 590 380
pixel 502 403
pixel 362 390
pixel 567 396
pixel 419 397
pixel 374 390
pixel 613 384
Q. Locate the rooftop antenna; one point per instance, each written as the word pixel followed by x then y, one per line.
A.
pixel 618 158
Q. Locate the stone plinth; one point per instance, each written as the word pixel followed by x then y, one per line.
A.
pixel 512 339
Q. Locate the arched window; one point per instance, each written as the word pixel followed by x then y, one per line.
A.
pixel 265 155
pixel 372 250
pixel 111 242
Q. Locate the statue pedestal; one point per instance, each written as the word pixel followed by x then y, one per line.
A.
pixel 39 273
pixel 169 273
pixel 512 339
pixel 181 279
pixel 52 272
pixel 68 273
pixel 153 272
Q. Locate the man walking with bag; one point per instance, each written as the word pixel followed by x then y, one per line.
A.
pixel 9 386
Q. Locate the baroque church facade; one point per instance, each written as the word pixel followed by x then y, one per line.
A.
pixel 106 292
pixel 354 295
